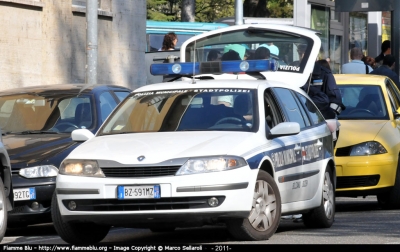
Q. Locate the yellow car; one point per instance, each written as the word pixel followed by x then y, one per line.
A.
pixel 368 147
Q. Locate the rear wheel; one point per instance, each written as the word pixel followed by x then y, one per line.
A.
pixel 76 233
pixel 323 216
pixel 3 211
pixel 265 213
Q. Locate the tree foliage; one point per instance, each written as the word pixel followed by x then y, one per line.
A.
pixel 211 10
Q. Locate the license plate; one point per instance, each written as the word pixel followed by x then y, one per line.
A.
pixel 139 192
pixel 24 194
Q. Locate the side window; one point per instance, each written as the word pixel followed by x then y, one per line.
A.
pixel 121 95
pixel 107 104
pixel 312 111
pixel 290 106
pixel 272 114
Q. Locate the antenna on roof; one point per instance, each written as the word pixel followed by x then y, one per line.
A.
pixel 194 63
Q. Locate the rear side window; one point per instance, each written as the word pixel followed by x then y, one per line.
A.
pixel 290 107
pixel 312 111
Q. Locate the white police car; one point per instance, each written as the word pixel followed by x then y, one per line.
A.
pixel 198 152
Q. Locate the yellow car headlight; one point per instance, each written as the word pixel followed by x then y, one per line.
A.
pixel 367 148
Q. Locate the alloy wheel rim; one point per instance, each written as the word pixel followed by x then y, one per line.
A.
pixel 327 195
pixel 263 212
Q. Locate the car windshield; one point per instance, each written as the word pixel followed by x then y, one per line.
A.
pixel 32 113
pixel 288 49
pixel 184 110
pixel 363 102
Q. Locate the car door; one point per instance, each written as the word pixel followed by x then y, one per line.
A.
pixel 300 182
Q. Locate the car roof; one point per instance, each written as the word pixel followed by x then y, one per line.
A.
pixel 359 79
pixel 65 88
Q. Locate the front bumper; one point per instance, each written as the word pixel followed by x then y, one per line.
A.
pixel 184 199
pixel 32 211
pixel 364 175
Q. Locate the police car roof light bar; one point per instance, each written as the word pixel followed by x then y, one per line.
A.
pixel 234 66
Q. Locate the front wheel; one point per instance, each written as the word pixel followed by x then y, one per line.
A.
pixel 265 213
pixel 323 216
pixel 3 211
pixel 76 233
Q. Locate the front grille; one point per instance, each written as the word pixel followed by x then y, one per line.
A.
pixel 137 172
pixel 357 181
pixel 103 205
pixel 343 152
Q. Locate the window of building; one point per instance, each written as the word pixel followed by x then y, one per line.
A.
pixel 386 25
pixel 358 35
pixel 320 22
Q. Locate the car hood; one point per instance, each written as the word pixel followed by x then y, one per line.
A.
pixel 158 147
pixel 353 132
pixel 32 149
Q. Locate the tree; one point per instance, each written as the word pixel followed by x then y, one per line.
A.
pixel 280 8
pixel 163 10
pixel 211 10
pixel 255 8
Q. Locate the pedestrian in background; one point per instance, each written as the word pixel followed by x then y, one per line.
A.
pixel 356 65
pixel 386 69
pixel 385 50
pixel 368 60
pixel 169 42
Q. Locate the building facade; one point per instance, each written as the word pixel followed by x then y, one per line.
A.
pixel 341 31
pixel 44 42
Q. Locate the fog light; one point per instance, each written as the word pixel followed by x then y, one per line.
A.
pixel 213 202
pixel 72 205
pixel 35 205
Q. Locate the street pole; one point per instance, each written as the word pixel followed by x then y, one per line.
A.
pixel 91 41
pixel 238 12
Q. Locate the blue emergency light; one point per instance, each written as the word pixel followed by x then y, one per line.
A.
pixel 213 67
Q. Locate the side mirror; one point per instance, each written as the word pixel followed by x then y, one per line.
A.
pixel 81 135
pixel 284 129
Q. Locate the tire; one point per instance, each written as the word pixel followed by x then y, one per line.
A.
pixel 391 200
pixel 265 213
pixel 324 215
pixel 76 233
pixel 3 211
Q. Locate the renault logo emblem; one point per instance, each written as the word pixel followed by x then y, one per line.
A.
pixel 141 158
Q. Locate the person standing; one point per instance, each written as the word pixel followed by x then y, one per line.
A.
pixel 169 42
pixel 356 65
pixel 387 69
pixel 385 50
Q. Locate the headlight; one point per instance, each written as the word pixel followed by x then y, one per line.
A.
pixel 81 168
pixel 368 148
pixel 42 171
pixel 210 164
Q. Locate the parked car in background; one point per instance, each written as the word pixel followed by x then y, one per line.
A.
pixel 368 148
pixel 6 192
pixel 36 123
